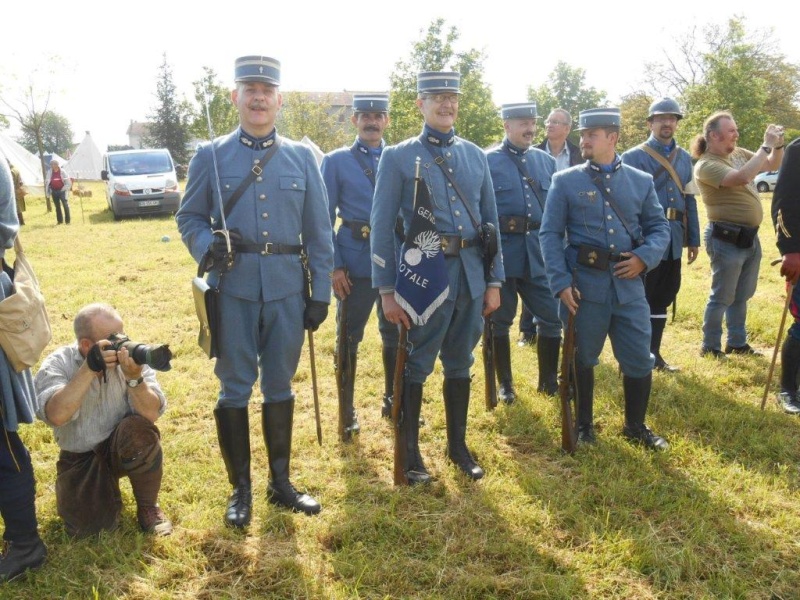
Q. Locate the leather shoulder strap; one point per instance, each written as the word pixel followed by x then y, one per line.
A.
pixel 667 165
pixel 363 164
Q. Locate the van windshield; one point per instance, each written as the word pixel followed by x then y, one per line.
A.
pixel 139 163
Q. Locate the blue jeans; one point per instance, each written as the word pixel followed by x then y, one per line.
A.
pixel 734 275
pixel 59 198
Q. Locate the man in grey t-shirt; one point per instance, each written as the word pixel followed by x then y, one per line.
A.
pixel 102 406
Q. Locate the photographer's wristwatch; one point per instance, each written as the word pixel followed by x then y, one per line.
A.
pixel 132 383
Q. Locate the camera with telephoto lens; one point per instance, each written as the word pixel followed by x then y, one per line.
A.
pixel 156 356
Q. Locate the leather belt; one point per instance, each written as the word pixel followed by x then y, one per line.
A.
pixel 359 229
pixel 596 257
pixel 453 244
pixel 673 214
pixel 269 248
pixel 517 224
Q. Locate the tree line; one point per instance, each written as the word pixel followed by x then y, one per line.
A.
pixel 706 69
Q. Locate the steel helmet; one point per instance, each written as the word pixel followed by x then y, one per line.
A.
pixel 665 106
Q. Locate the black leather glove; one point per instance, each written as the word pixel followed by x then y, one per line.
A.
pixel 217 257
pixel 314 314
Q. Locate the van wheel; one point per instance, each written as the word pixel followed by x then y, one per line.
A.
pixel 116 216
pixel 763 186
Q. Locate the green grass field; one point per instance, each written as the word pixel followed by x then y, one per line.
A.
pixel 716 517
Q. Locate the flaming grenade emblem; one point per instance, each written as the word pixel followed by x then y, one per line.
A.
pixel 427 243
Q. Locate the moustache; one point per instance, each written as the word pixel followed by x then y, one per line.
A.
pixel 374 128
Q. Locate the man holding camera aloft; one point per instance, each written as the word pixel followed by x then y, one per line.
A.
pixel 102 405
pixel 725 172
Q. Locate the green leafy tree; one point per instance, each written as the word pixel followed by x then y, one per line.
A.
pixel 56 135
pixel 478 118
pixel 169 121
pixel 566 88
pixel 729 68
pixel 302 114
pixel 633 112
pixel 221 109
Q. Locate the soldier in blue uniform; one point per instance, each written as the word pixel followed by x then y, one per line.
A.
pixel 461 206
pixel 675 191
pixel 521 175
pixel 615 229
pixel 349 175
pixel 786 218
pixel 281 213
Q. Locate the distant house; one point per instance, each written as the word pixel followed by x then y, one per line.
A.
pixel 137 133
pixel 341 103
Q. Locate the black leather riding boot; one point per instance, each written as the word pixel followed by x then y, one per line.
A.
pixel 547 351
pixel 21 556
pixel 657 326
pixel 276 422
pixel 409 429
pixel 389 362
pixel 790 364
pixel 502 366
pixel 584 387
pixel 790 367
pixel 456 405
pixel 637 397
pixel 233 433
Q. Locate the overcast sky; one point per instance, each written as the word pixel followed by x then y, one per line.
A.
pixel 110 55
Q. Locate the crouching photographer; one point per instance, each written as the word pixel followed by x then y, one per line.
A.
pixel 101 397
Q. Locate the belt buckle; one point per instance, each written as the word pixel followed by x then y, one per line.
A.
pixel 463 243
pixel 267 249
pixel 257 170
pixel 672 213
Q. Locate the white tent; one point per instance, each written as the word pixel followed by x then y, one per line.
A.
pixel 318 153
pixel 86 162
pixel 51 156
pixel 28 165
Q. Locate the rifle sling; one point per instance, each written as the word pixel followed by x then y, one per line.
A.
pixel 358 155
pixel 666 165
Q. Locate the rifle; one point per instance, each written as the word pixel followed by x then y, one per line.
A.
pixel 397 409
pixel 569 433
pixel 312 357
pixel 490 389
pixel 490 248
pixel 343 367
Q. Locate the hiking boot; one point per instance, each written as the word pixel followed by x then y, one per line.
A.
pixel 153 520
pixel 712 352
pixel 746 349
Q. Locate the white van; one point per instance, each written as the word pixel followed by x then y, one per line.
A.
pixel 140 182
